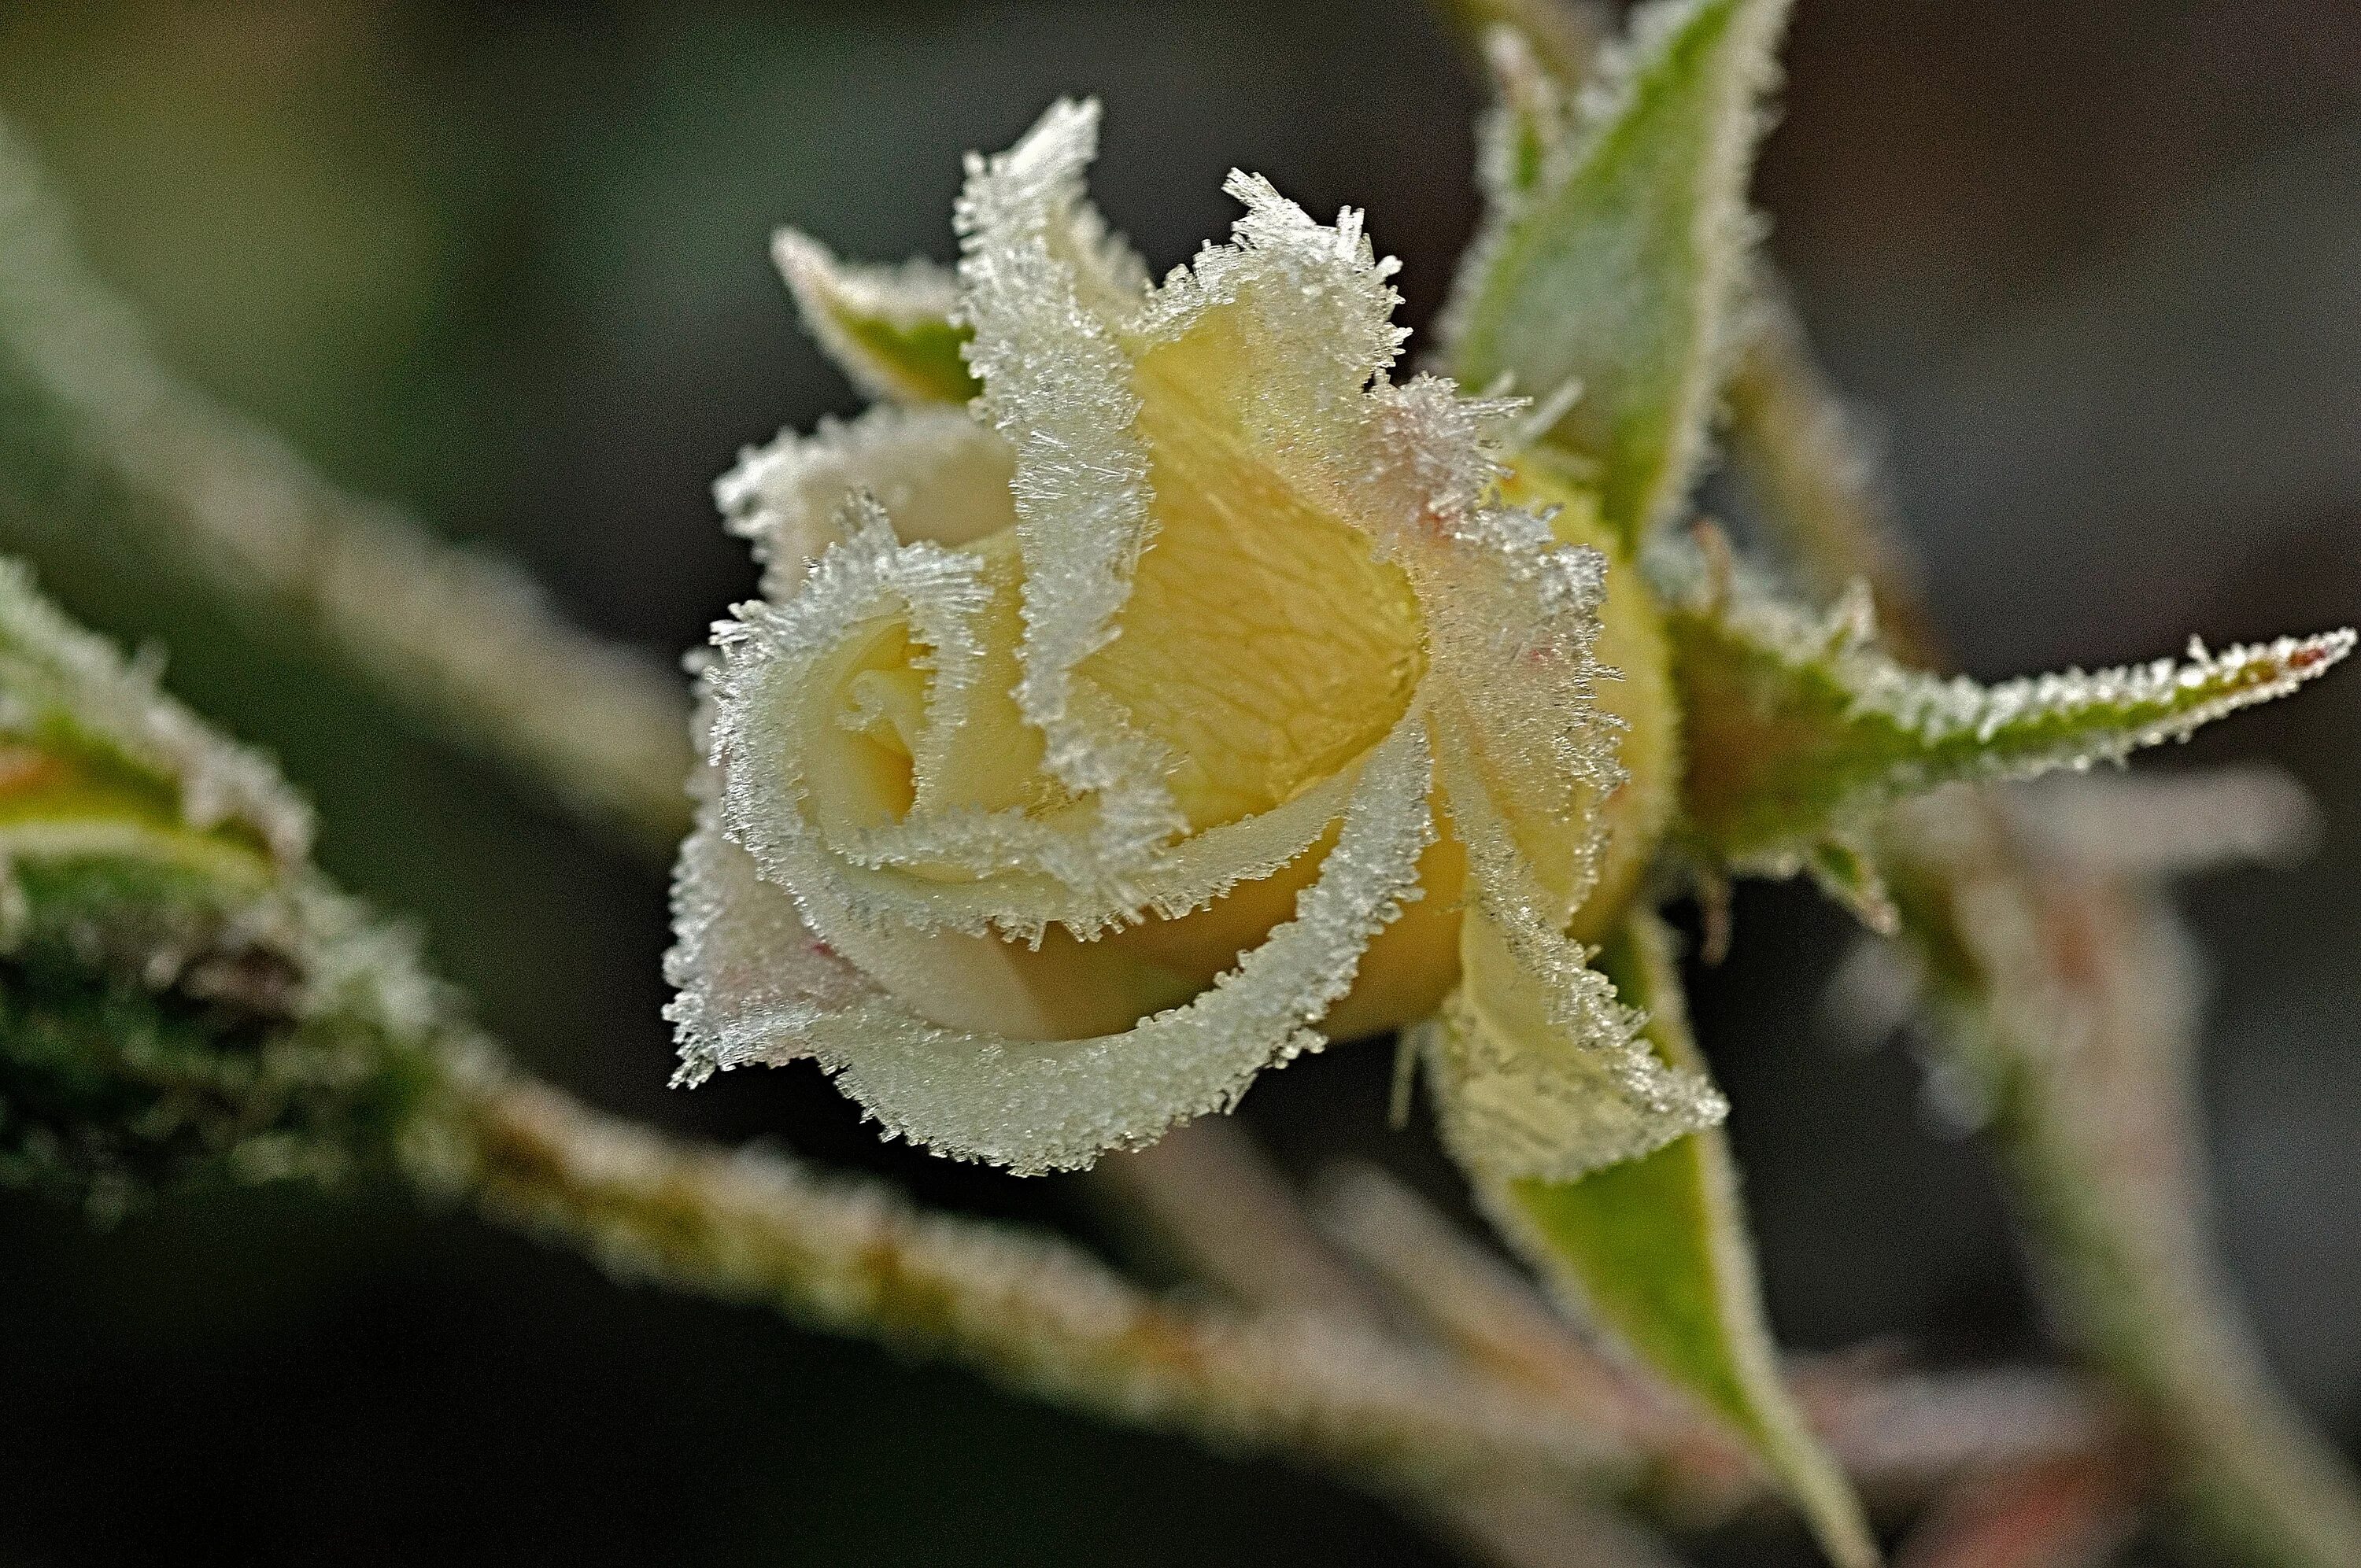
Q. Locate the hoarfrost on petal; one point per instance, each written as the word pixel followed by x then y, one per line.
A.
pixel 1513 625
pixel 807 788
pixel 941 478
pixel 1539 1071
pixel 1057 386
pixel 1037 1106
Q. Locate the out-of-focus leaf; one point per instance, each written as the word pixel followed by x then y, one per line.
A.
pixel 891 329
pixel 1799 726
pixel 1620 266
pixel 181 994
pixel 91 752
pixel 1655 1249
pixel 1562 36
pixel 1528 122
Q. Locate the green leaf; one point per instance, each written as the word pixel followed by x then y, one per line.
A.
pixel 1656 1251
pixel 1799 727
pixel 1621 266
pixel 92 751
pixel 1847 873
pixel 1563 36
pixel 1521 136
pixel 893 330
pixel 181 994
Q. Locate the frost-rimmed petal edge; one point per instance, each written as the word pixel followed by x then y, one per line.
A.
pixel 1057 386
pixel 1029 872
pixel 1035 1105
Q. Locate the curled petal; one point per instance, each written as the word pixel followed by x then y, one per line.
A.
pixel 757 986
pixel 1538 1070
pixel 810 788
pixel 1057 388
pixel 890 329
pixel 940 475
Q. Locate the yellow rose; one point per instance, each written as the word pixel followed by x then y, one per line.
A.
pixel 1193 696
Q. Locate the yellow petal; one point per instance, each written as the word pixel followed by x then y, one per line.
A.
pixel 1264 643
pixel 1631 642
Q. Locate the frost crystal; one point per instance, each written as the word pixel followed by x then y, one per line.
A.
pixel 1091 737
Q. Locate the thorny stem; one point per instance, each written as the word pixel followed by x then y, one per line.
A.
pixel 2059 991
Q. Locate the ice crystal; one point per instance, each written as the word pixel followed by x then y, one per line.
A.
pixel 1089 736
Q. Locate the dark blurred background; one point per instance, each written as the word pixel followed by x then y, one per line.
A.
pixel 2097 269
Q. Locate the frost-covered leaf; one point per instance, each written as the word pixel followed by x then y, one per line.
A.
pixel 180 994
pixel 88 745
pixel 1527 125
pixel 1656 1251
pixel 893 330
pixel 1799 726
pixel 1619 265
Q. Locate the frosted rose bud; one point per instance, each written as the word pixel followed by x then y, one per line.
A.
pixel 1192 695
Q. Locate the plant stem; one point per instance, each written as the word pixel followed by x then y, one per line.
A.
pixel 99 441
pixel 851 1257
pixel 2064 994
